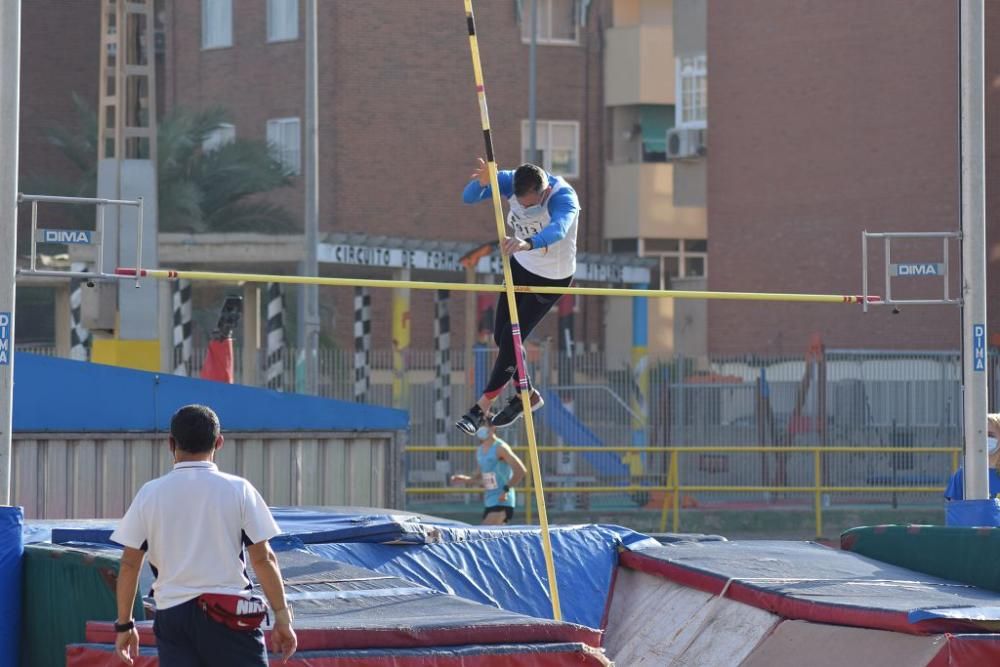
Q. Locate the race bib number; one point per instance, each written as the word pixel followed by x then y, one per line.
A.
pixel 525 230
pixel 489 481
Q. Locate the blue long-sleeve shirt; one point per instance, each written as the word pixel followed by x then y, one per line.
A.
pixel 563 206
pixel 956 485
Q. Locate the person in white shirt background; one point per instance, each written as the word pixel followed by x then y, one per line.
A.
pixel 193 524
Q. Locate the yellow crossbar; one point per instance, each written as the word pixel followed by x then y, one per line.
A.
pixel 232 278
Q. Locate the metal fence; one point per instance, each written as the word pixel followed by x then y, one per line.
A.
pixel 850 400
pixel 810 481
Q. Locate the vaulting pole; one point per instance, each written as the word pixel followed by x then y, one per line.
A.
pixel 522 374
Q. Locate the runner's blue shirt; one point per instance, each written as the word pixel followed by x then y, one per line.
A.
pixel 496 473
pixel 563 205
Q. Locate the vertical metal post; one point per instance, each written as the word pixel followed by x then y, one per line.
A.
pixel 532 85
pixel 818 500
pixel 470 335
pixel 100 238
pixel 138 244
pixel 639 401
pixel 888 261
pixel 864 271
pixel 675 466
pixel 973 172
pixel 309 294
pixel 10 69
pixel 400 341
pixel 62 319
pixel 251 334
pixel 947 263
pixel 34 233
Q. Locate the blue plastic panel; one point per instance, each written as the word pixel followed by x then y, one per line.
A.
pixel 972 512
pixel 62 395
pixel 11 550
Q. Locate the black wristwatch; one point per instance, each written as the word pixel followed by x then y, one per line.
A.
pixel 124 627
pixel 506 488
pixel 530 243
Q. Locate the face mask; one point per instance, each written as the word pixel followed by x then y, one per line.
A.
pixel 533 211
pixel 991 445
pixel 537 209
pixel 482 433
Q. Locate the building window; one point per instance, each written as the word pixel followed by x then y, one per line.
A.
pixel 655 120
pixel 216 24
pixel 285 137
pixel 695 257
pixel 623 246
pixel 282 20
pixel 225 133
pixel 558 21
pixel 678 259
pixel 558 144
pixel 692 91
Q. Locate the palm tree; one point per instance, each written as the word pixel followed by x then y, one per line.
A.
pixel 198 190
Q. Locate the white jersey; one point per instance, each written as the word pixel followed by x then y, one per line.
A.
pixel 192 522
pixel 556 261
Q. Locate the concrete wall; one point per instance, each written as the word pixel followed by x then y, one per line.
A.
pixel 640 203
pixel 638 65
pixel 690 27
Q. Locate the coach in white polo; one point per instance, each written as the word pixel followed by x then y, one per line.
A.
pixel 193 523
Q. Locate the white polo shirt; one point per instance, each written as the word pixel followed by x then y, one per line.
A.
pixel 193 523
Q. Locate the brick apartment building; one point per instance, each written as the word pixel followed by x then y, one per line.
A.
pixel 49 78
pixel 828 119
pixel 825 121
pixel 398 117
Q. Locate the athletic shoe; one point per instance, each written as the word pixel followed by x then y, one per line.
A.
pixel 512 411
pixel 470 421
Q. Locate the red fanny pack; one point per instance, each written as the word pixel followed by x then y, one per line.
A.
pixel 234 611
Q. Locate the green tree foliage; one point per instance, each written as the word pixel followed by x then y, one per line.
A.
pixel 198 190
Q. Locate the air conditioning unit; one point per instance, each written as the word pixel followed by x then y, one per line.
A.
pixel 685 143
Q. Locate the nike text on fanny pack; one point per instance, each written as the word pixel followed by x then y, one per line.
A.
pixel 248 607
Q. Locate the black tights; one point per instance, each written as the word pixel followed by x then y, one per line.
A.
pixel 531 308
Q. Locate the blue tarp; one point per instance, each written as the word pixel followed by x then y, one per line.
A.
pixel 11 550
pixel 356 525
pixel 305 525
pixel 58 395
pixel 319 526
pixel 506 568
pixel 501 566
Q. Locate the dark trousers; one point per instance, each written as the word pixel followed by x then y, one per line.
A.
pixel 531 308
pixel 186 637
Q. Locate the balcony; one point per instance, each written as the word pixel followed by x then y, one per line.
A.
pixel 639 65
pixel 639 203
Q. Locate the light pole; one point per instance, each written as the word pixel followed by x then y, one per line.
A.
pixel 973 179
pixel 10 68
pixel 309 294
pixel 532 93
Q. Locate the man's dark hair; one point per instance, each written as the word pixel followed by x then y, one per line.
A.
pixel 529 178
pixel 195 428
